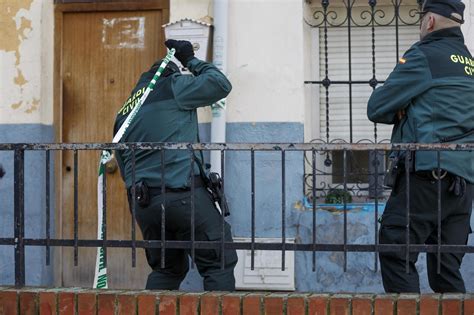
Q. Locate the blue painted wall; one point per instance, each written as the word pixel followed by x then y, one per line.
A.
pixel 361 275
pixel 329 276
pixel 37 273
pixel 268 185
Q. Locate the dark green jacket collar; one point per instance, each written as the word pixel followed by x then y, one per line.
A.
pixel 454 33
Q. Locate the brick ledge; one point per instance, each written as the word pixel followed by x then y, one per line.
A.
pixel 86 301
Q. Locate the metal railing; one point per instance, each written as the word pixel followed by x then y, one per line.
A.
pixel 20 242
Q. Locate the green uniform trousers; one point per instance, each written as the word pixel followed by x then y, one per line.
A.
pixel 455 229
pixel 207 227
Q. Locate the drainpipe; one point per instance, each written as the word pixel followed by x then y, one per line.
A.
pixel 218 125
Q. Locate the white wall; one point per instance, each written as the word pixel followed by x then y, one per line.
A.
pixel 266 61
pixel 26 56
pixel 468 26
pixel 265 58
pixel 47 62
pixel 194 9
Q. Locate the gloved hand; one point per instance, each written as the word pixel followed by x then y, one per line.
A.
pixel 184 50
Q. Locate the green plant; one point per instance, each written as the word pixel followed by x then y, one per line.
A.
pixel 338 196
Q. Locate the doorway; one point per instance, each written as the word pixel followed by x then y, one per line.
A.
pixel 103 49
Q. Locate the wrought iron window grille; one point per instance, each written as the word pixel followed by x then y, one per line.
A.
pixel 347 16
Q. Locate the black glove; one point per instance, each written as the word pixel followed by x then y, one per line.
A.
pixel 2 171
pixel 184 50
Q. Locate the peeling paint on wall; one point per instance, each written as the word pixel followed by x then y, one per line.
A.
pixel 20 76
pixel 124 33
pixel 13 30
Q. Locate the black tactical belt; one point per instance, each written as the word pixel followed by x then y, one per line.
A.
pixel 155 191
pixel 457 184
pixel 433 174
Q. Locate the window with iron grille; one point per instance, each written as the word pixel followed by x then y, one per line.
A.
pixel 356 45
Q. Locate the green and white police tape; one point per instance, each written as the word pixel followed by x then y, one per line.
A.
pixel 100 278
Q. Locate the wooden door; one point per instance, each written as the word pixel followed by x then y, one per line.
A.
pixel 103 54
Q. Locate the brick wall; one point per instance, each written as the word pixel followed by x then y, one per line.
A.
pixel 105 302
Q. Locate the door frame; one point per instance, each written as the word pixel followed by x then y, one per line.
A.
pixel 59 10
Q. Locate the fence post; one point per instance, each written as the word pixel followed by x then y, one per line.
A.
pixel 19 215
pixel 376 171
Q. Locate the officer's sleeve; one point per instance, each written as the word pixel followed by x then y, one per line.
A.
pixel 207 86
pixel 410 78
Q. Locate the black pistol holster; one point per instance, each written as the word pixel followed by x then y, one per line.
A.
pixel 214 186
pixel 392 171
pixel 216 190
pixel 398 164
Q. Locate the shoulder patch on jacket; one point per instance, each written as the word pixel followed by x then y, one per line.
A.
pixel 449 59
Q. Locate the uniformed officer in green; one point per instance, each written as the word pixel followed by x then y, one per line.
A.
pixel 429 97
pixel 169 114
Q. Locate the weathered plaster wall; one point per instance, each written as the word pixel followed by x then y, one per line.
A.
pixel 20 56
pixel 197 9
pixel 468 26
pixel 266 61
pixel 26 55
pixel 26 115
pixel 265 58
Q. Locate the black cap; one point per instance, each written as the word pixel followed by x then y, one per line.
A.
pixel 452 9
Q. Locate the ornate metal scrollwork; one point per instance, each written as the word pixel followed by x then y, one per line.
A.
pixel 357 189
pixel 375 14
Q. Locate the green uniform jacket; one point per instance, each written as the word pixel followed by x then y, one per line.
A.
pixel 169 114
pixel 434 84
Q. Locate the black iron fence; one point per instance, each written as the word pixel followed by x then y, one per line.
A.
pixel 20 242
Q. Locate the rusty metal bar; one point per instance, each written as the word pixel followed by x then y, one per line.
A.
pixel 48 205
pixel 252 180
pixel 407 235
pixel 222 214
pixel 345 209
pixel 376 214
pixel 104 217
pixel 133 209
pixel 241 146
pixel 76 206
pixel 19 216
pixel 314 209
pixel 163 210
pixel 193 211
pixel 414 248
pixel 438 254
pixel 283 209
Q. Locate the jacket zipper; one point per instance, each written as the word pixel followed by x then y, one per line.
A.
pixel 454 138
